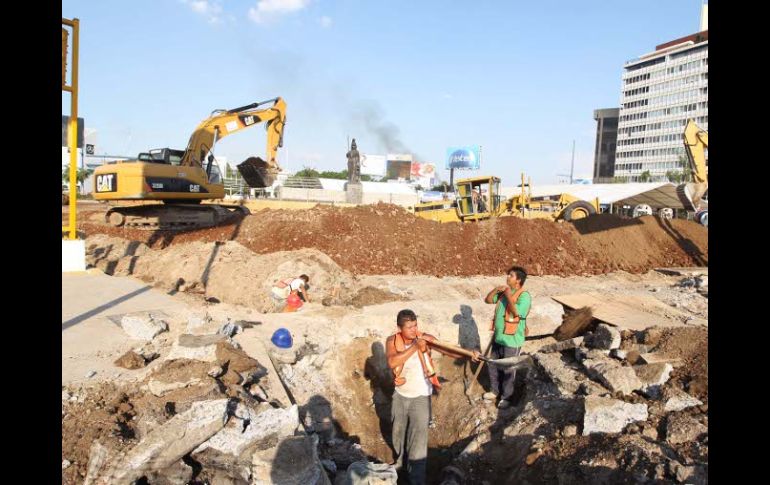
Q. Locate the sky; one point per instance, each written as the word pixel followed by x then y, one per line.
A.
pixel 519 78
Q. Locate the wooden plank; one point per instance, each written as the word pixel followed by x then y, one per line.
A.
pixel 632 312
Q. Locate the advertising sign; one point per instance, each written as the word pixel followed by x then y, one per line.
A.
pixel 423 170
pixel 463 157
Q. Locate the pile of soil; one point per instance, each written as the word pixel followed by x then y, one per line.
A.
pixel 386 239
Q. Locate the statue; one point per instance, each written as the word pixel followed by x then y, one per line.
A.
pixel 354 164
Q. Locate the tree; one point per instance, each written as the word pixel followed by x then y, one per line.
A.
pixel 442 187
pixel 81 175
pixel 307 172
pixel 645 176
pixel 619 180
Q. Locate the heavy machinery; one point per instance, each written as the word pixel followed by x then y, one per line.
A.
pixel 180 179
pixel 488 203
pixel 696 142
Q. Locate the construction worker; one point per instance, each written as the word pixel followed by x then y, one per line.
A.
pixel 283 289
pixel 415 377
pixel 510 329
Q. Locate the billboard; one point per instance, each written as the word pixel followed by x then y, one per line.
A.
pixel 463 157
pixel 423 170
pixel 399 170
pixel 373 165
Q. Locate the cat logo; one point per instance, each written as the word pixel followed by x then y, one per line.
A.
pixel 107 182
pixel 248 120
pixel 195 188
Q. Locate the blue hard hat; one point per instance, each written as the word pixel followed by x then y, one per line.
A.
pixel 282 338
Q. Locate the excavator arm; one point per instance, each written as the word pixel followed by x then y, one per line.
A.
pixel 696 141
pixel 222 123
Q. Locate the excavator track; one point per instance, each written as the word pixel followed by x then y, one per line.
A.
pixel 172 216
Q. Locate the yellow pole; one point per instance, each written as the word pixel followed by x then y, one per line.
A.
pixel 72 141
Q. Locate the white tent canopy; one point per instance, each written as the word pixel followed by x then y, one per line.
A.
pixel 657 195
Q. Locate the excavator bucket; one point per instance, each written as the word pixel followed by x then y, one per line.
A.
pixel 690 195
pixel 256 172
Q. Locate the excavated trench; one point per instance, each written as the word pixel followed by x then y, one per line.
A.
pixel 361 401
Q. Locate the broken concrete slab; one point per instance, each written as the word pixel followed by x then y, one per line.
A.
pixel 607 415
pixel 566 379
pixel 605 337
pixel 168 443
pixel 681 271
pixel 655 358
pixel 612 375
pixel 142 327
pixel 582 353
pixel 683 428
pixel 367 473
pixel 633 312
pixel 180 473
pixel 653 376
pixel 196 347
pixel 650 336
pixel 250 426
pixel 563 345
pixel 158 388
pixel 677 400
pixel 293 460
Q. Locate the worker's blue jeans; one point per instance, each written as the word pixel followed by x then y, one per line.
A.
pixel 504 375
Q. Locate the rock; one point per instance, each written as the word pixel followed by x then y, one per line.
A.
pixel 591 388
pixel 367 473
pixel 606 415
pixel 250 428
pixel 168 443
pixel 605 337
pixel 612 375
pixel 653 376
pixel 618 354
pixel 283 356
pixel 215 371
pixel 650 432
pixel 651 336
pixel 632 428
pixel 142 327
pixel 130 360
pixel 563 345
pixel 558 372
pixel 65 395
pixel 257 391
pixel 660 471
pixel 230 329
pixel 293 460
pixel 158 388
pixel 65 464
pixel 195 347
pixel 633 357
pixel 532 457
pixel 452 475
pixel 329 465
pixel 582 353
pixel 570 430
pixel 90 374
pixel 180 473
pixel 196 324
pixel 655 358
pixel 682 428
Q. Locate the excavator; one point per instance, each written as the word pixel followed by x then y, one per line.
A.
pixel 696 142
pixel 180 179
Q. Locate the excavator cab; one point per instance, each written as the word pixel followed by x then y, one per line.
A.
pixel 478 198
pixel 162 155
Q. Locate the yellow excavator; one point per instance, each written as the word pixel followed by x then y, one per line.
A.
pixel 696 142
pixel 181 179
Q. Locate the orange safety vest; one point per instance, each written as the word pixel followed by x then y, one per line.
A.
pixel 425 360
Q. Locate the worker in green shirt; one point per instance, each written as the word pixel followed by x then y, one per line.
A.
pixel 510 327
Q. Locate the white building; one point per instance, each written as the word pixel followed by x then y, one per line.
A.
pixel 661 91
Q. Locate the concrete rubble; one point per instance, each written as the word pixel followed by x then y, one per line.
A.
pixel 142 327
pixel 606 415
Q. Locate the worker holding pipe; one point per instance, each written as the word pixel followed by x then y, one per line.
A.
pixel 415 377
pixel 510 329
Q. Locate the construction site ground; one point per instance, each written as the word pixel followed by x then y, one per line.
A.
pixel 366 263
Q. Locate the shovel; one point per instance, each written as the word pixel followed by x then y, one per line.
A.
pixel 512 362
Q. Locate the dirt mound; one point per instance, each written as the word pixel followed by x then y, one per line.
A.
pixel 226 271
pixel 386 239
pixel 370 295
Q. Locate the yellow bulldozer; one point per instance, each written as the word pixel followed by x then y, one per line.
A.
pixel 176 181
pixel 478 198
